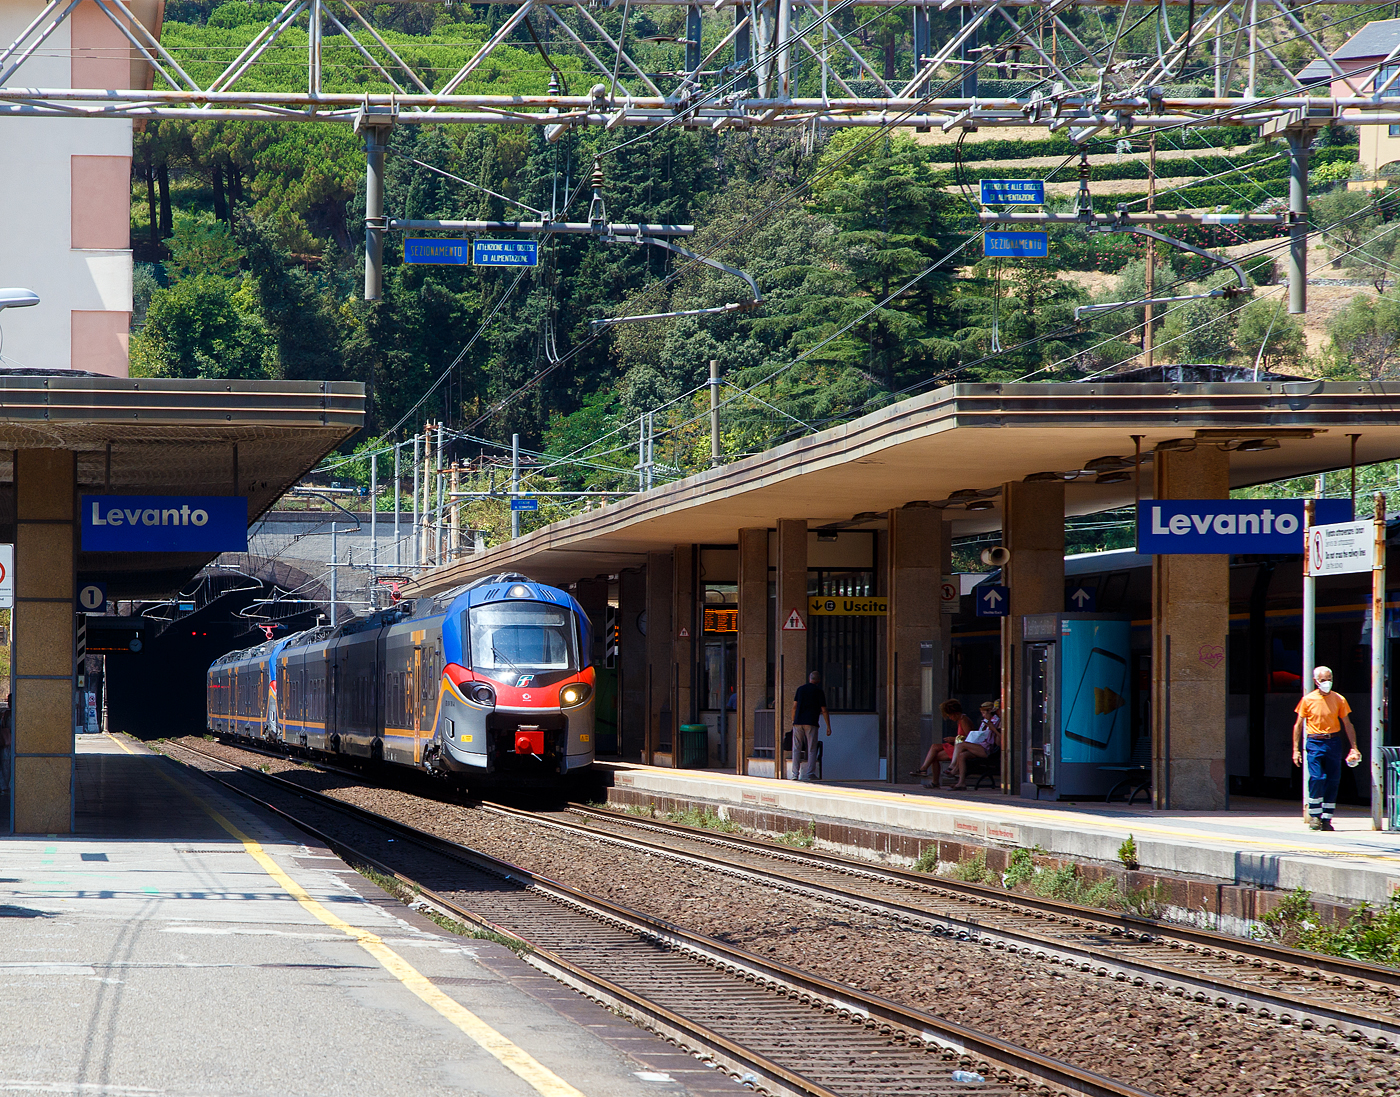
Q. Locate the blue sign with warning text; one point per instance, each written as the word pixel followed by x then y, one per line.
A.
pixel 506 253
pixel 1016 245
pixel 1013 192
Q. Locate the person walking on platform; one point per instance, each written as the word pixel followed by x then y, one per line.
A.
pixel 1322 715
pixel 808 707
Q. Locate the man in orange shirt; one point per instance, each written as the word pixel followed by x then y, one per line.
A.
pixel 1323 714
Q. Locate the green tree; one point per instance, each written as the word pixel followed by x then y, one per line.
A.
pixel 1364 339
pixel 1196 331
pixel 202 326
pixel 1265 324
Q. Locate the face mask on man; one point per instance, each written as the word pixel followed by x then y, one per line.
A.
pixel 1325 687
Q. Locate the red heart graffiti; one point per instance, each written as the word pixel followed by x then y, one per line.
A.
pixel 1212 655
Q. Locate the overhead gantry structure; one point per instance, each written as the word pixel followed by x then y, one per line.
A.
pixel 805 64
pixel 749 63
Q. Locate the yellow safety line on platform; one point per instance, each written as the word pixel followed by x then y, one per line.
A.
pixel 543 1080
pixel 1043 817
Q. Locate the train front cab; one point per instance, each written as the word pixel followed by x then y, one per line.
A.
pixel 517 694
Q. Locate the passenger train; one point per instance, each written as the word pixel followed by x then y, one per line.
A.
pixel 489 681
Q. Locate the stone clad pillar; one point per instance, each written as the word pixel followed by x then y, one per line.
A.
pixel 43 629
pixel 683 629
pixel 920 554
pixel 632 663
pixel 790 649
pixel 592 595
pixel 752 664
pixel 1190 629
pixel 1033 531
pixel 658 682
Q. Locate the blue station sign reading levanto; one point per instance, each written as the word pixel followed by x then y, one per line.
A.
pixel 1194 527
pixel 164 523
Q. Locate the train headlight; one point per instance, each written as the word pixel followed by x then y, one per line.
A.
pixel 520 590
pixel 482 694
pixel 574 694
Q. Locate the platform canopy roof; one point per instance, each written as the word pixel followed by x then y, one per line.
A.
pixel 967 439
pixel 162 436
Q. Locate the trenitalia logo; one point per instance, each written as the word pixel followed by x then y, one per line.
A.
pixel 164 523
pixel 1174 527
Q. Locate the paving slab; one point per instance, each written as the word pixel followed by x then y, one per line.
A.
pixel 153 954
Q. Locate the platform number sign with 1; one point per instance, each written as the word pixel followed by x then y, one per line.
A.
pixel 7 576
pixel 92 597
pixel 993 601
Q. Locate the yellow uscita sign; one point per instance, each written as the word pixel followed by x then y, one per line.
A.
pixel 840 606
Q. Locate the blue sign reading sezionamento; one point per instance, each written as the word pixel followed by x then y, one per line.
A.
pixel 1192 527
pixel 437 252
pixel 1016 245
pixel 506 253
pixel 1013 192
pixel 164 523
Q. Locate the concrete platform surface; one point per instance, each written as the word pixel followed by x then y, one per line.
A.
pixel 1257 842
pixel 155 953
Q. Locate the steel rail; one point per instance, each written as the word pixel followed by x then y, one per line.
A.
pixel 1052 1075
pixel 1374 1029
pixel 1125 924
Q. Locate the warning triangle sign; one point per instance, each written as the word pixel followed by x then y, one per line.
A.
pixel 685 633
pixel 795 623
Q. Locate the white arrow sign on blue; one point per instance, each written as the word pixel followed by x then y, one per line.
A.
pixel 993 601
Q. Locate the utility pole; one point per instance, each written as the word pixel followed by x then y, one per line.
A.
pixel 335 560
pixel 1299 141
pixel 376 139
pixel 1309 626
pixel 454 521
pixel 437 508
pixel 1151 254
pixel 373 514
pixel 398 555
pixel 1378 646
pixel 417 531
pixel 714 414
pixel 514 485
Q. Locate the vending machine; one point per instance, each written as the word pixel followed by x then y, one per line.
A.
pixel 1076 716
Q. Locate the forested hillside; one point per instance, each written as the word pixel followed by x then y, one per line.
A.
pixel 864 244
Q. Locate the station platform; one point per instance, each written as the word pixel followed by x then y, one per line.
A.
pixel 183 944
pixel 1257 843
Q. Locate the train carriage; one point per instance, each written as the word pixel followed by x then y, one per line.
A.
pixel 491 680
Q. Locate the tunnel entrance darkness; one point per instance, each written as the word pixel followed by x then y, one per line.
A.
pixel 159 691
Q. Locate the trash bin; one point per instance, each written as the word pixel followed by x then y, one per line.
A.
pixel 1391 757
pixel 694 746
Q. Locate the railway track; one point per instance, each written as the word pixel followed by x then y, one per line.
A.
pixel 1356 1000
pixel 787 1031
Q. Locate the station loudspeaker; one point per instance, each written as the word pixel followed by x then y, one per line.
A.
pixel 996 556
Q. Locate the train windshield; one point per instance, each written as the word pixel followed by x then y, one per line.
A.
pixel 513 638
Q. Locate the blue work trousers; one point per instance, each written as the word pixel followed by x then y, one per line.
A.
pixel 1324 755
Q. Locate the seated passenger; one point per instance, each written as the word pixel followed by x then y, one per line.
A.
pixel 952 710
pixel 981 744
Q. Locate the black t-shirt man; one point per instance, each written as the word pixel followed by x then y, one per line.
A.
pixel 810 703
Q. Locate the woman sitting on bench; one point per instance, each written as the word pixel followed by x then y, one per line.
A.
pixel 980 745
pixel 952 710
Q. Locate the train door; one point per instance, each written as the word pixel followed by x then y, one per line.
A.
pixel 328 692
